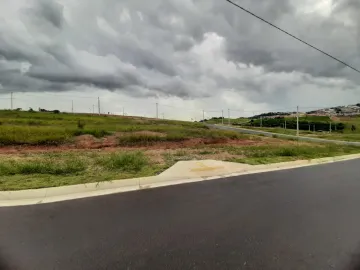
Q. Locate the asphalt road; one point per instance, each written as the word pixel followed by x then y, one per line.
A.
pixel 306 218
pixel 270 134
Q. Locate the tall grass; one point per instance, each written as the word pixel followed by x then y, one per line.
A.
pixel 125 162
pixel 17 135
pixel 35 135
pixel 46 165
pixel 41 128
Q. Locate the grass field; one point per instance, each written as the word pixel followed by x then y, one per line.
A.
pixel 346 135
pixel 41 149
pixel 38 170
pixel 35 128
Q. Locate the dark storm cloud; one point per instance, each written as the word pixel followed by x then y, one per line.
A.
pixel 13 50
pixel 47 11
pixel 150 46
pixel 111 82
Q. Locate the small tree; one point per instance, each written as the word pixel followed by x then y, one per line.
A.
pixel 353 128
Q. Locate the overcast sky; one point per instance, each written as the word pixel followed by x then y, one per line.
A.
pixel 187 54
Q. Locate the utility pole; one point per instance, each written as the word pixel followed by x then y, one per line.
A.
pixel 93 109
pixel 222 117
pixel 229 116
pixel 157 110
pixel 297 121
pixel 99 105
pixel 11 100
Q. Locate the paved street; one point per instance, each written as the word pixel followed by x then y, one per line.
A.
pixel 306 218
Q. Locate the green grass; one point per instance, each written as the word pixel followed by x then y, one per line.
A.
pixel 274 153
pixel 339 136
pixel 31 171
pixel 34 171
pixel 46 165
pixel 17 135
pixel 311 118
pixel 25 171
pixel 129 162
pixel 206 152
pixel 240 120
pixel 42 128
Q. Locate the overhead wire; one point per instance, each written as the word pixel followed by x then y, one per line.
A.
pixel 291 35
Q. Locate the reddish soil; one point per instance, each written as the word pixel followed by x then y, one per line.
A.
pixel 109 143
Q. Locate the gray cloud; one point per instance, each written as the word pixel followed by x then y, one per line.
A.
pixel 165 48
pixel 45 12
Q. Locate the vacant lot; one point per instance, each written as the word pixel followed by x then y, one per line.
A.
pixel 49 129
pixel 46 149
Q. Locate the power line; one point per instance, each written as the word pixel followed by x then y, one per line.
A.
pixel 291 35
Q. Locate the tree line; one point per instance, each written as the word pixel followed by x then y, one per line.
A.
pixel 292 124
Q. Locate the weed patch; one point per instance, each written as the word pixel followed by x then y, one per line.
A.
pixel 126 162
pixel 42 166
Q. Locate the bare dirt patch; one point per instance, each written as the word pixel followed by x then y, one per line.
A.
pixel 110 143
pixel 144 133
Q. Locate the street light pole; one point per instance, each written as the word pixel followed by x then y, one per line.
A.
pixel 229 116
pixel 297 121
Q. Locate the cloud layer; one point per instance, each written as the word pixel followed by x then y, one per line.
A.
pixel 187 49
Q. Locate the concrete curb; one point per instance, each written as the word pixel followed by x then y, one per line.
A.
pixel 57 194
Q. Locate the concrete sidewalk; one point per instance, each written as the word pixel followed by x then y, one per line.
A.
pixel 182 172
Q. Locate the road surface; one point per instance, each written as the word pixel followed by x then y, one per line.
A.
pixel 305 218
pixel 270 134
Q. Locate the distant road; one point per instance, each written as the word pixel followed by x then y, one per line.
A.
pixel 270 134
pixel 305 218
